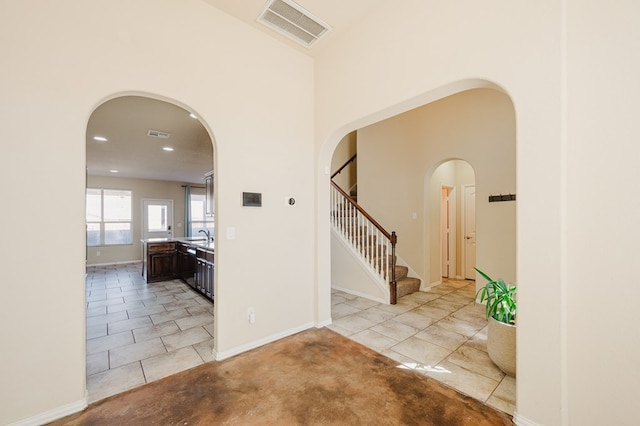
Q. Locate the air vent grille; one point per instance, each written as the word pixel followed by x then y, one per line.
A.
pixel 158 134
pixel 291 20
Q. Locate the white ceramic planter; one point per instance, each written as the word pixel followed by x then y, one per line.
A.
pixel 501 345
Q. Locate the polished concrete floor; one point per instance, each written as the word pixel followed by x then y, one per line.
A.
pixel 316 377
pixel 139 333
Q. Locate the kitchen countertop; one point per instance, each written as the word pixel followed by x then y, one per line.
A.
pixel 191 241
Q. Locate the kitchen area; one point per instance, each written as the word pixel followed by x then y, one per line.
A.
pixel 189 259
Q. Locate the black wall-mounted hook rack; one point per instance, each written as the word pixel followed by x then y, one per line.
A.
pixel 508 197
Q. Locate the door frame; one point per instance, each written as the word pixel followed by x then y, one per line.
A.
pixel 464 228
pixel 453 242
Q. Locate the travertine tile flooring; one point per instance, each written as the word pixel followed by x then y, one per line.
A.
pixel 139 332
pixel 440 333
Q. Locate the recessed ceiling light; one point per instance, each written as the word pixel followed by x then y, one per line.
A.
pixel 168 148
pixel 192 115
pixel 113 171
pixel 100 138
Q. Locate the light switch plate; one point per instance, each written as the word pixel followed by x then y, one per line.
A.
pixel 231 233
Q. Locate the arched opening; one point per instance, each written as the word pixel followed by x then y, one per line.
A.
pixel 404 162
pixel 149 166
pixel 452 191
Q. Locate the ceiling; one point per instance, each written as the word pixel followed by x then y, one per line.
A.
pixel 341 15
pixel 125 121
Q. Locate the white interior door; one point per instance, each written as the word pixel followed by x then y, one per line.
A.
pixel 157 219
pixel 469 232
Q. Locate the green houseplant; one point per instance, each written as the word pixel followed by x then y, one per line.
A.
pixel 501 308
pixel 500 298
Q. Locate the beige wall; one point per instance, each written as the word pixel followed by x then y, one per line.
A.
pixel 397 159
pixel 344 151
pixel 60 61
pixel 140 189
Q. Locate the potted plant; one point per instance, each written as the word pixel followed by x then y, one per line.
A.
pixel 501 314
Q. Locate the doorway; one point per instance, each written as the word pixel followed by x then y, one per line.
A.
pixel 469 231
pixel 157 219
pixel 154 149
pixel 448 232
pixel 453 183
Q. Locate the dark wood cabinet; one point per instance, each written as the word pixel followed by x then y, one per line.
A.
pixel 192 263
pixel 205 272
pixel 159 261
pixel 186 263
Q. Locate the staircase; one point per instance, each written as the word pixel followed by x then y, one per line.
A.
pixel 375 246
pixel 405 285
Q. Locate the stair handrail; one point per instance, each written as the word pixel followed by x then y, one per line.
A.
pixel 349 161
pixel 391 236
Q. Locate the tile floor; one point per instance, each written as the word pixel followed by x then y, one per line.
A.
pixel 139 332
pixel 440 333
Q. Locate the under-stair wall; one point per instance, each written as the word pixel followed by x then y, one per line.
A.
pixel 348 273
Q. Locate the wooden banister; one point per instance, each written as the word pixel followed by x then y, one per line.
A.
pixel 389 269
pixel 349 161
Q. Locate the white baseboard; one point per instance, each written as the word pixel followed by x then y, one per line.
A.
pixel 51 415
pixel 522 421
pixel 325 323
pixel 124 262
pixel 219 356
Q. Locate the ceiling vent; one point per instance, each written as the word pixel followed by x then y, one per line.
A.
pixel 293 21
pixel 158 134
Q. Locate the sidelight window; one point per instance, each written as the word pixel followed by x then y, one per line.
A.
pixel 108 216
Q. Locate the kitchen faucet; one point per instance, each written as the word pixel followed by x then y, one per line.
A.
pixel 207 233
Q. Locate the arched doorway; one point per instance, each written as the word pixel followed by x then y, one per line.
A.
pixel 142 151
pixel 453 183
pixel 397 180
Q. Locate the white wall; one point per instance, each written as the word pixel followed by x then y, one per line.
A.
pixel 601 212
pixel 348 274
pixel 410 53
pixel 60 60
pixel 398 156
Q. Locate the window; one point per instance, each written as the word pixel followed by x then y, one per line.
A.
pixel 198 218
pixel 108 217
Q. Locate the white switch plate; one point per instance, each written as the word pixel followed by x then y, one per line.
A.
pixel 231 233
